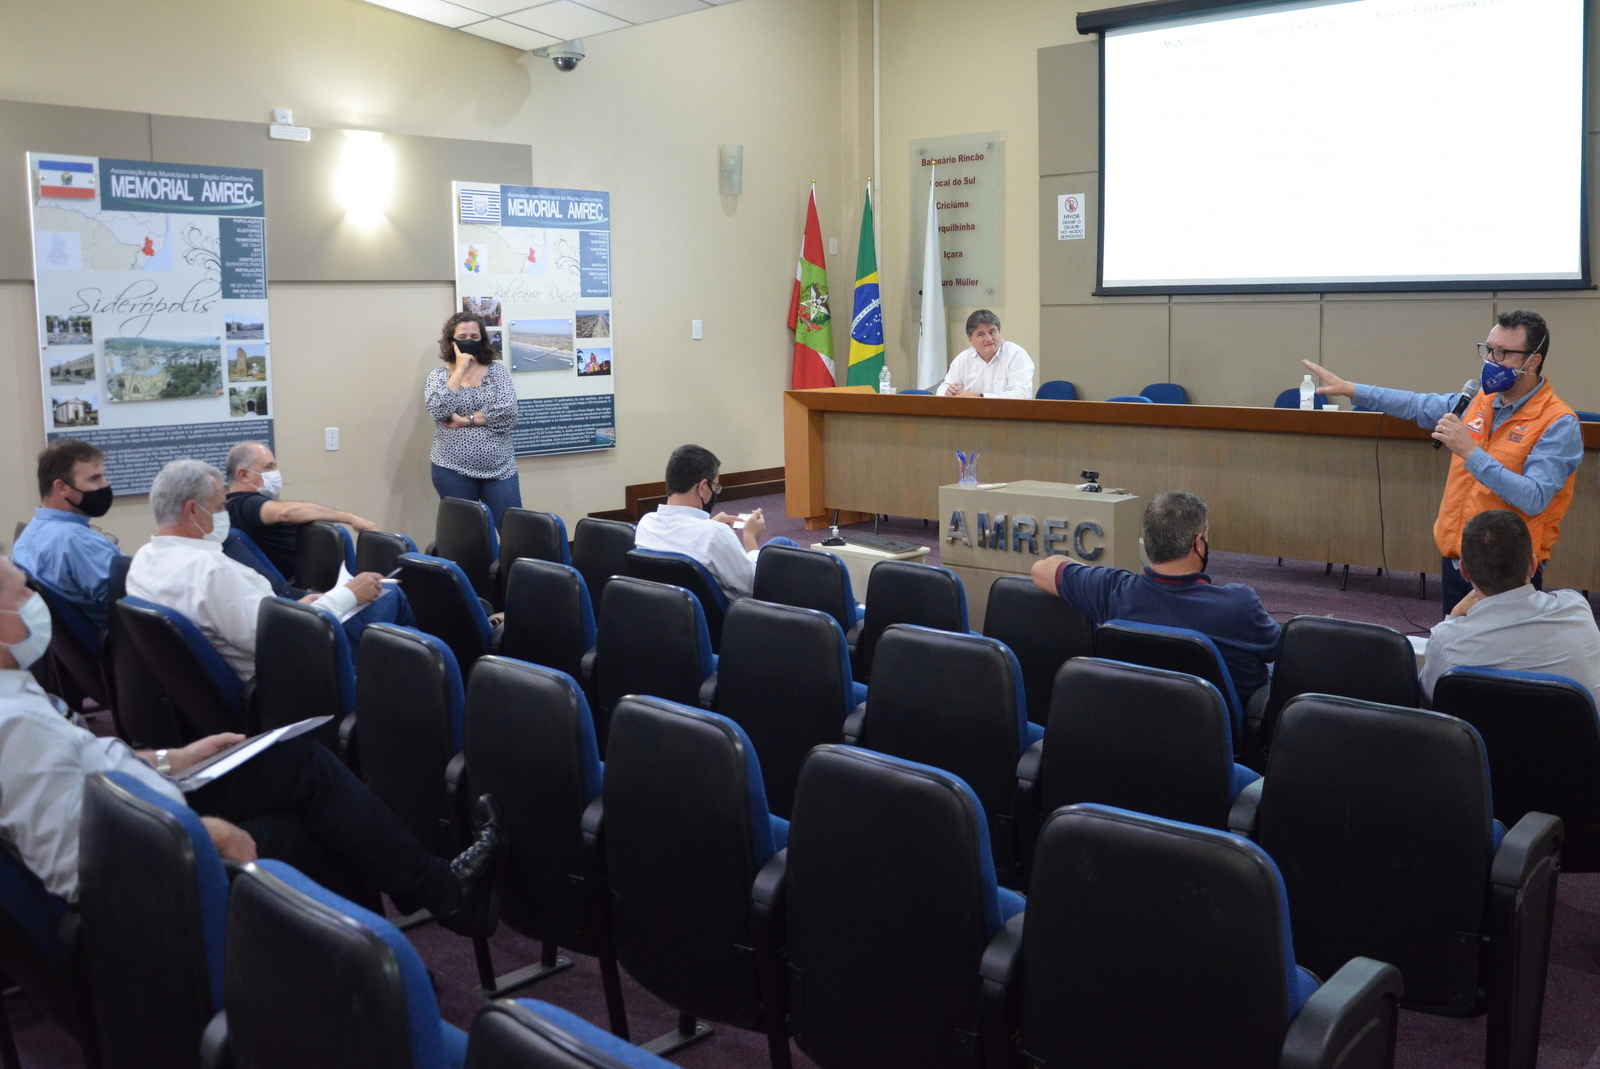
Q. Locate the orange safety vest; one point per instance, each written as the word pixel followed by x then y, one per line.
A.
pixel 1465 496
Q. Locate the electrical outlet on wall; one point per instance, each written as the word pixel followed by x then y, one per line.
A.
pixel 330 438
pixel 697 329
pixel 833 246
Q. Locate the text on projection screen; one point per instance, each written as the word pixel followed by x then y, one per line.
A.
pixel 1363 142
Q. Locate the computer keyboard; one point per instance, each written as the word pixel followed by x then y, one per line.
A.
pixel 879 542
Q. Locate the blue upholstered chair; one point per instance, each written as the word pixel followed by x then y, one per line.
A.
pixel 599 551
pixel 321 548
pixel 1177 649
pixel 1588 417
pixel 303 668
pixel 243 549
pixel 685 825
pixel 1138 738
pixel 1382 821
pixel 528 1034
pixel 924 393
pixel 887 901
pixel 1291 399
pixel 464 532
pixel 1543 739
pixel 205 694
pixel 549 617
pixel 380 551
pixel 784 676
pixel 1043 630
pixel 652 640
pixel 1147 941
pixel 410 724
pixel 680 569
pixel 1165 393
pixel 540 535
pixel 315 981
pixel 905 592
pixel 531 744
pixel 1132 398
pixel 445 605
pixel 153 896
pixel 75 649
pixel 1057 390
pixel 956 701
pixel 807 579
pixel 41 951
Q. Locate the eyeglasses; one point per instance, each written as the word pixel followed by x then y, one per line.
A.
pixel 1498 356
pixel 716 488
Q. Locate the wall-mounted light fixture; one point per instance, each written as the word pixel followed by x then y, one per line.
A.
pixel 730 170
pixel 364 183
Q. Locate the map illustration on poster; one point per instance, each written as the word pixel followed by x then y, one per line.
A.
pixel 536 264
pixel 151 282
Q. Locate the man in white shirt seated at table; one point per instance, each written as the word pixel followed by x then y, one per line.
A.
pixel 991 367
pixel 183 568
pixel 1503 622
pixel 684 524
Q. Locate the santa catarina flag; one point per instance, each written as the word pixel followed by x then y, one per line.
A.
pixel 808 310
pixel 866 322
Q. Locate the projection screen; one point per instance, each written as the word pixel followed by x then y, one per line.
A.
pixel 1365 145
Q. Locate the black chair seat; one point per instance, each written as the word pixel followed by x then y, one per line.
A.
pixel 904 592
pixel 1043 630
pixel 600 550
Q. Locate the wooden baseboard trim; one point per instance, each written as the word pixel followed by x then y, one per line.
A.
pixel 645 497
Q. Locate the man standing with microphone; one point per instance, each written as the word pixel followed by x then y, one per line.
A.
pixel 1517 445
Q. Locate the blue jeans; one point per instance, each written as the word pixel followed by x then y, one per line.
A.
pixel 498 494
pixel 390 607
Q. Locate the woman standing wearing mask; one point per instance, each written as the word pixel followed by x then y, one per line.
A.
pixel 474 409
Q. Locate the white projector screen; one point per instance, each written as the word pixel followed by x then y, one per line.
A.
pixel 1371 144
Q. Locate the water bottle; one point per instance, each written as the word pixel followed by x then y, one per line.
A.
pixel 884 383
pixel 1308 393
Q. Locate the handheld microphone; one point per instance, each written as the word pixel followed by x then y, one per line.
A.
pixel 1469 390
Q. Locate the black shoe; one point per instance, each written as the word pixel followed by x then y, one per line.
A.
pixel 475 868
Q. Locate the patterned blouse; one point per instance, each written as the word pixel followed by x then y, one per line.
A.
pixel 476 452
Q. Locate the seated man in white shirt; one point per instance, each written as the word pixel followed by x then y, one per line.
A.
pixel 183 567
pixel 683 524
pixel 295 802
pixel 992 367
pixel 1504 622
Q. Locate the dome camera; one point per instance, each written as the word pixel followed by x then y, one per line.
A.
pixel 566 55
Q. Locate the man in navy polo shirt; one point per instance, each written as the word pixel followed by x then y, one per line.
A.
pixel 1174 590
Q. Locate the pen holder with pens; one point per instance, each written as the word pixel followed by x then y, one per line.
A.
pixel 969 467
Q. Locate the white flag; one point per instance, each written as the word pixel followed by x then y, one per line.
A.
pixel 932 361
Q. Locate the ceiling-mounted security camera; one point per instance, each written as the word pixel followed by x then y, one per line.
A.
pixel 566 55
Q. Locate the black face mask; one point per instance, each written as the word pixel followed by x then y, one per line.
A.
pixel 470 346
pixel 95 503
pixel 711 504
pixel 1205 554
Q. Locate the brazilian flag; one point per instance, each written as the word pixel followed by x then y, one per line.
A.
pixel 866 322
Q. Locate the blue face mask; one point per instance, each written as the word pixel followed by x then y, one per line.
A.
pixel 1497 378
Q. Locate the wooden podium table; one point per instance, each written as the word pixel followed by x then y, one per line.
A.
pixel 1280 482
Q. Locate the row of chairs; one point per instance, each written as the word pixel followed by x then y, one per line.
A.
pixel 1159 393
pixel 861 927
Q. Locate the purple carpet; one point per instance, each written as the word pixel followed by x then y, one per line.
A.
pixel 1571 1034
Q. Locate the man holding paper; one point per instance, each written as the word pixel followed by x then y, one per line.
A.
pixel 183 567
pixel 295 801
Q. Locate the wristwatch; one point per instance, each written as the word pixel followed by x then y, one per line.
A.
pixel 164 762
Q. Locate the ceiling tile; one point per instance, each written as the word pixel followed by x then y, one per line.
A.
pixel 507 34
pixel 445 14
pixel 566 20
pixel 637 11
pixel 499 7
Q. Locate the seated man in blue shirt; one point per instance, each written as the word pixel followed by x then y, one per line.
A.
pixel 58 547
pixel 1174 591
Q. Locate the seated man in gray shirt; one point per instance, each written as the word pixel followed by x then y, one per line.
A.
pixel 1504 622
